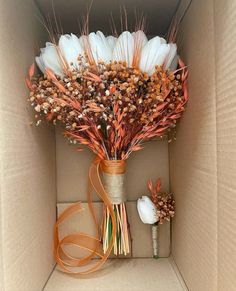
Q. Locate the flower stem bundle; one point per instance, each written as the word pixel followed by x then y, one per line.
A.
pixel 121 243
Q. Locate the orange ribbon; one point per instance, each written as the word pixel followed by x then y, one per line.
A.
pixel 92 244
pixel 113 166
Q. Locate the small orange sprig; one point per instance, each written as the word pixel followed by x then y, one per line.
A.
pixel 164 202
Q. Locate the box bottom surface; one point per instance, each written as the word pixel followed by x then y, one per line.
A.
pixel 122 274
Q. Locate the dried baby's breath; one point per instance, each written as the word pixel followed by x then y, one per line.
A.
pixel 164 202
pixel 112 109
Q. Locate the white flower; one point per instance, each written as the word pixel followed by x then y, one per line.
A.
pixel 124 48
pixel 40 63
pixel 154 53
pixel 132 48
pixel 71 48
pixel 111 41
pixel 100 47
pixel 147 210
pixel 49 58
pixel 174 64
pixel 140 38
pixel 171 61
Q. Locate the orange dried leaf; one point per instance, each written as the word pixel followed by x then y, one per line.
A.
pixel 79 149
pixel 181 63
pixel 149 184
pixel 158 185
pixel 83 127
pixel 50 74
pixel 136 148
pixel 175 116
pixel 60 86
pixel 61 102
pixel 49 116
pixel 28 83
pixel 161 106
pixel 92 77
pixel 31 70
pixel 161 129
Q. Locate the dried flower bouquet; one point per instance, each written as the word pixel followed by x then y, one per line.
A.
pixel 111 94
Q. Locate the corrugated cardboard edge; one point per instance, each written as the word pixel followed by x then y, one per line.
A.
pixel 2 283
pixel 225 59
pixel 27 156
pixel 220 273
pixel 178 274
pixel 193 157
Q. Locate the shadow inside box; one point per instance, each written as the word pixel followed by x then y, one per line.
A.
pixel 110 266
pixel 121 275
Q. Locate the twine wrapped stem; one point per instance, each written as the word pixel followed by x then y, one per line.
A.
pixel 155 245
pixel 113 172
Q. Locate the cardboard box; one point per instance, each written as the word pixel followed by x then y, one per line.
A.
pixel 40 174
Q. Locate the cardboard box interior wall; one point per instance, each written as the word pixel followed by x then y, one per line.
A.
pixel 37 166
